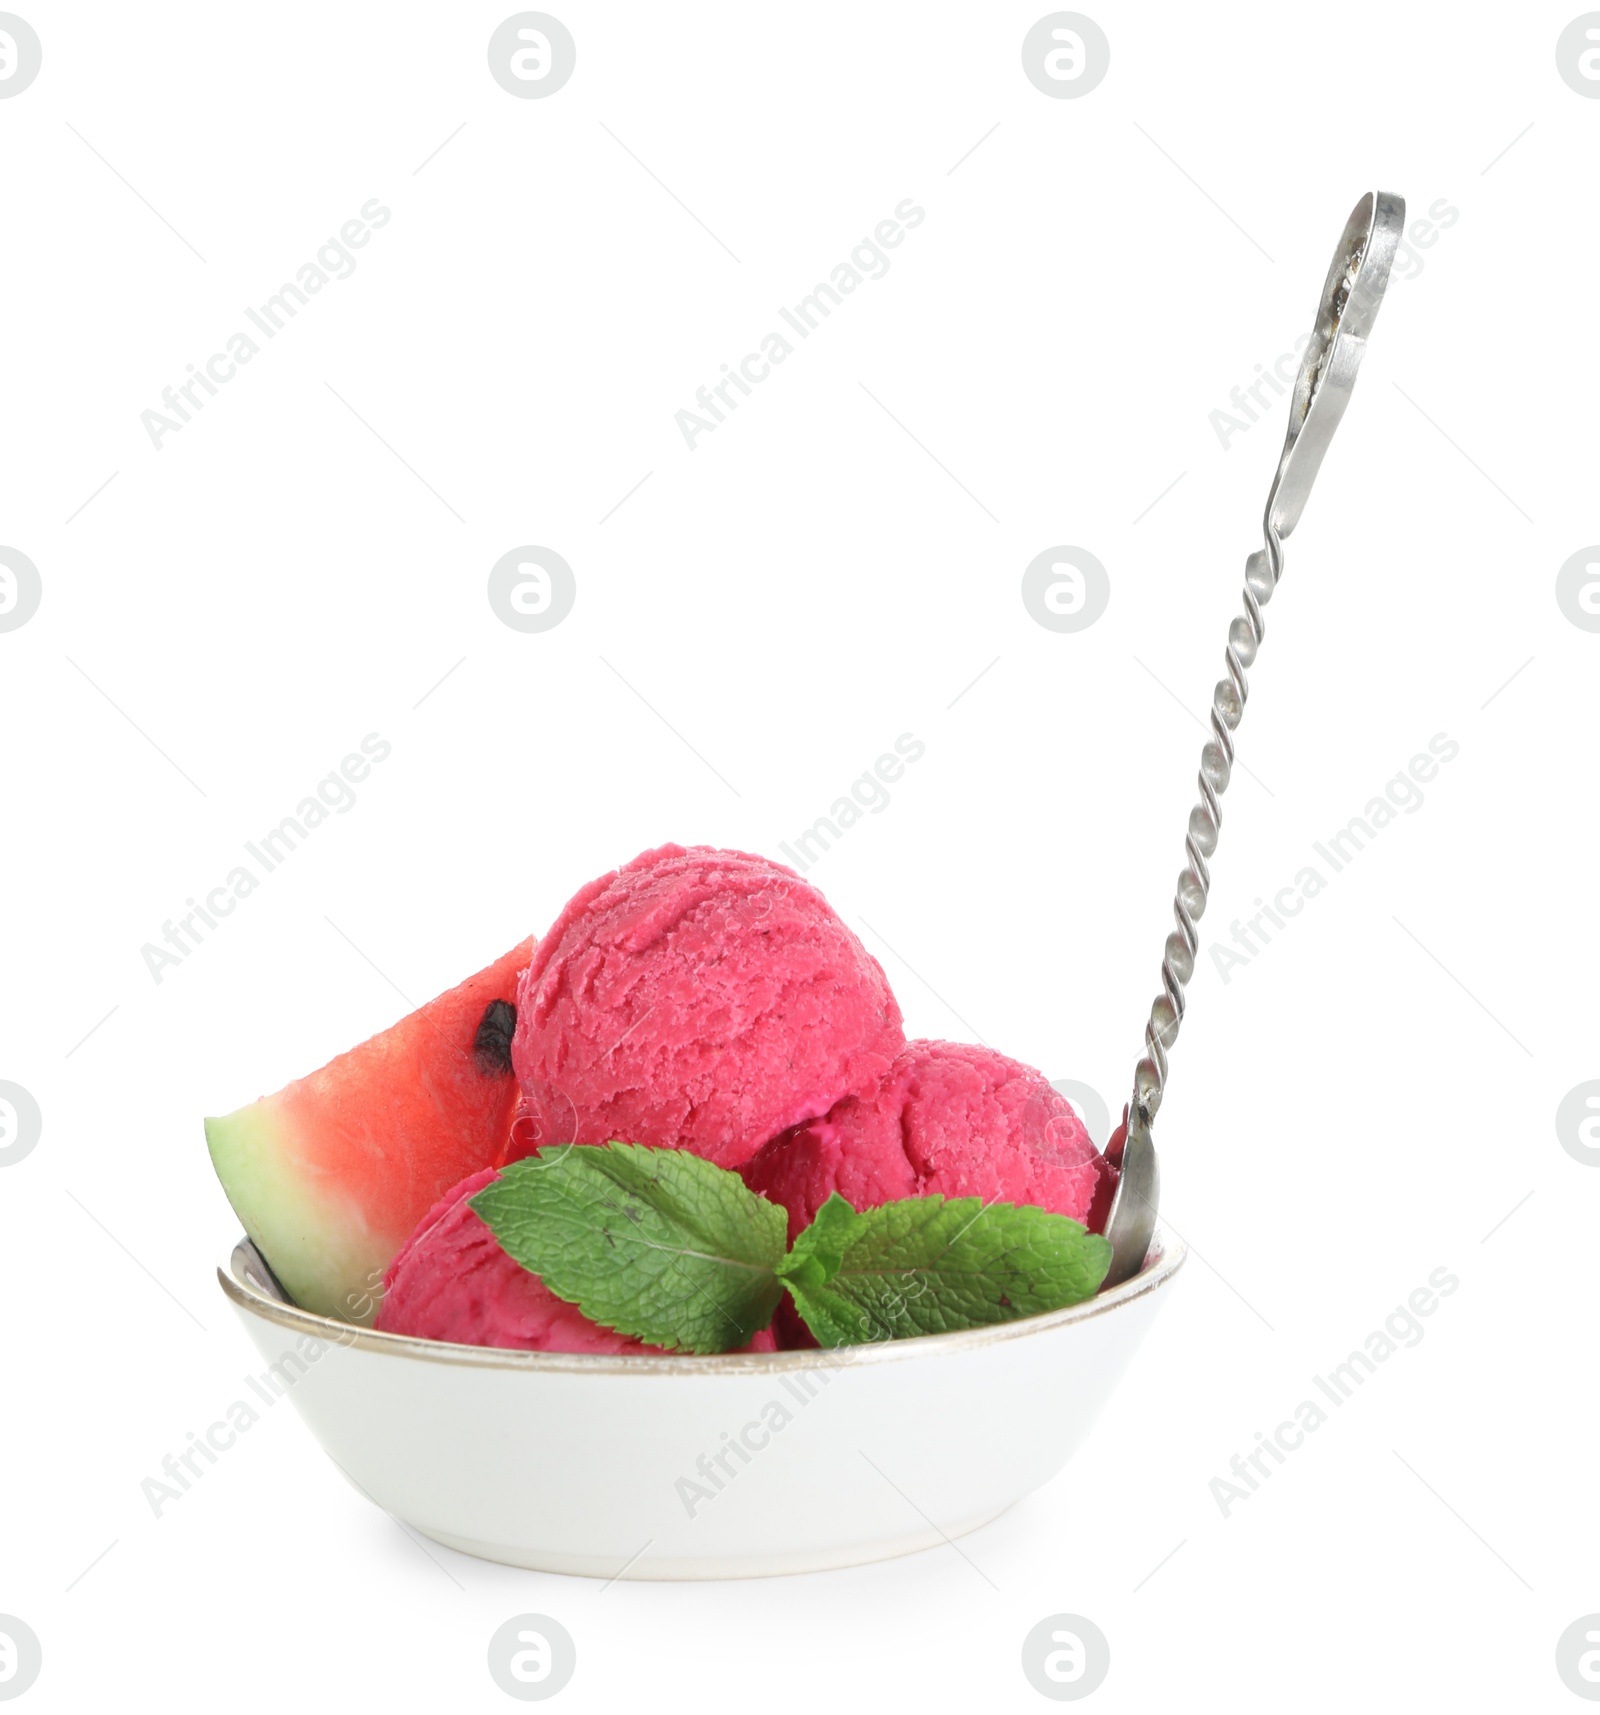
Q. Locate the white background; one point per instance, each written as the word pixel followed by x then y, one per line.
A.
pixel 1361 1104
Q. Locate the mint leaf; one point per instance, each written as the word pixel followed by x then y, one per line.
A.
pixel 661 1245
pixel 655 1243
pixel 927 1265
pixel 816 1255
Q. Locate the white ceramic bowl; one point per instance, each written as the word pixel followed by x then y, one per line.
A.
pixel 689 1467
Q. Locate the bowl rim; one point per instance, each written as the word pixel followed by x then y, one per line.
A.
pixel 251 1294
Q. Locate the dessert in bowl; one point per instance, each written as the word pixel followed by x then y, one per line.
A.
pixel 655 1250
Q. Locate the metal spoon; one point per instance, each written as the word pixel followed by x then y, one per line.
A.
pixel 1350 299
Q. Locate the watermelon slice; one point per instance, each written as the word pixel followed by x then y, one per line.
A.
pixel 331 1175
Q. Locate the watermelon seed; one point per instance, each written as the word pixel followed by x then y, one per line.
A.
pixel 491 1045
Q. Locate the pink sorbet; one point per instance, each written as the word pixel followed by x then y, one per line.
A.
pixel 696 999
pixel 452 1281
pixel 949 1119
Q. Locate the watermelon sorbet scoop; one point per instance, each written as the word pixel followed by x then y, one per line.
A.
pixel 697 999
pixel 452 1281
pixel 950 1119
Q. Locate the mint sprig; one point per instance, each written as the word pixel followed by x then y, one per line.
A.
pixel 662 1245
pixel 655 1243
pixel 927 1265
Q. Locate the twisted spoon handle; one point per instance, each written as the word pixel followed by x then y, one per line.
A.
pixel 1351 295
pixel 1262 571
